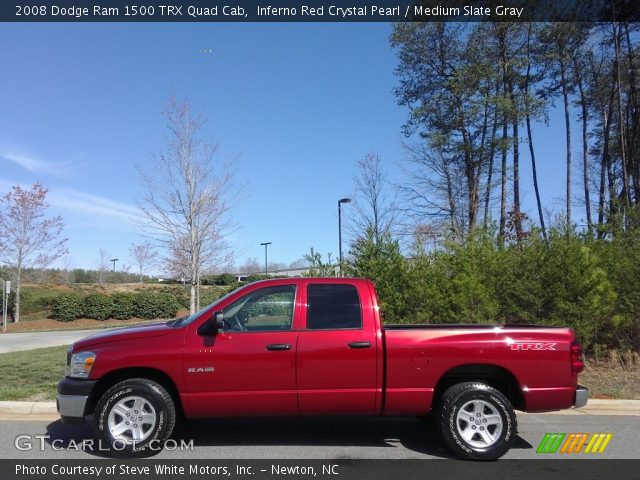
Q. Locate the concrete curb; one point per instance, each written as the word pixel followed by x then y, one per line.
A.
pixel 594 407
pixel 28 408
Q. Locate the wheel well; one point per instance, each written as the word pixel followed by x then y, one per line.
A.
pixel 110 379
pixel 492 375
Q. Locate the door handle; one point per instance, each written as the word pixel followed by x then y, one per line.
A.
pixel 359 344
pixel 279 346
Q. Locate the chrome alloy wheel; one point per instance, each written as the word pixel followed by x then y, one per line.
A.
pixel 132 420
pixel 479 423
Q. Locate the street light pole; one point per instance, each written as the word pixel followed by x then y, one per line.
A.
pixel 266 245
pixel 114 260
pixel 340 202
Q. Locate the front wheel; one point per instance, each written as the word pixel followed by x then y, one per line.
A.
pixel 133 416
pixel 477 421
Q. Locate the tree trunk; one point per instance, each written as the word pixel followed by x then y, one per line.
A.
pixel 192 297
pixel 505 134
pixel 625 194
pixel 534 172
pixel 503 180
pixel 469 170
pixel 198 292
pixel 567 124
pixel 451 199
pixel 585 156
pixel 601 197
pixel 532 153
pixel 482 149
pixel 517 217
pixel 606 157
pixel 16 305
pixel 487 198
pixel 634 135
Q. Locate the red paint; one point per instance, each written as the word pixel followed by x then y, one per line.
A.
pixel 233 373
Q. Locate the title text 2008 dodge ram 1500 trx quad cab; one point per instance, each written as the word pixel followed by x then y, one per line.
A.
pixel 316 346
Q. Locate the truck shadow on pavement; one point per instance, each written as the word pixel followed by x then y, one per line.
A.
pixel 270 437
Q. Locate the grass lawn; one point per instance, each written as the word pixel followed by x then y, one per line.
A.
pixel 31 375
pixel 615 376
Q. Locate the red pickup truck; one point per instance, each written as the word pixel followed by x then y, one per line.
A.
pixel 317 346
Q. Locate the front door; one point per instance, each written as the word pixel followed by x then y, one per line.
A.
pixel 249 366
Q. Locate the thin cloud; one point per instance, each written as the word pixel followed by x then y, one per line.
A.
pixel 38 166
pixel 86 203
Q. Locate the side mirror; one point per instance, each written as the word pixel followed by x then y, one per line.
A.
pixel 219 320
pixel 212 325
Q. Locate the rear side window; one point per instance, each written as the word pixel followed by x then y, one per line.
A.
pixel 332 307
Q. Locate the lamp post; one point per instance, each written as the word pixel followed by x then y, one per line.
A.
pixel 114 260
pixel 340 202
pixel 266 246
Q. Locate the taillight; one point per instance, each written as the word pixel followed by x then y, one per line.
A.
pixel 577 360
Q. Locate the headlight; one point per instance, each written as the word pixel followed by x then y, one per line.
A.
pixel 79 364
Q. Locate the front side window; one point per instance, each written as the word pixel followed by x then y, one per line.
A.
pixel 331 307
pixel 262 310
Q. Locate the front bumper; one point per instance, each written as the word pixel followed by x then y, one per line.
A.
pixel 582 395
pixel 72 399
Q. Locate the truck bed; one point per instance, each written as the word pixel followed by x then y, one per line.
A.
pixel 418 356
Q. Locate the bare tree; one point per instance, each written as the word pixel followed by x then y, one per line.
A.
pixel 373 201
pixel 27 237
pixel 251 266
pixel 103 265
pixel 276 266
pixel 299 263
pixel 175 261
pixel 186 198
pixel 144 256
pixel 68 268
pixel 434 191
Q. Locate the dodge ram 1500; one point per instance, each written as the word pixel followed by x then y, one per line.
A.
pixel 317 346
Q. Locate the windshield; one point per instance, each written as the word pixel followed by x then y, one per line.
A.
pixel 193 316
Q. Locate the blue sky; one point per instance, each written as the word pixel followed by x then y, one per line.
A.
pixel 299 104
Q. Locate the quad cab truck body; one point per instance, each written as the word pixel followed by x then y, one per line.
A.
pixel 317 346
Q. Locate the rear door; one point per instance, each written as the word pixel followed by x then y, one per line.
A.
pixel 337 351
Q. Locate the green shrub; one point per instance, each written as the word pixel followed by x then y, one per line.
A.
pixel 151 305
pixel 222 279
pixel 98 306
pixel 67 307
pixel 168 305
pixel 123 306
pixel 181 293
pixel 29 303
pixel 256 277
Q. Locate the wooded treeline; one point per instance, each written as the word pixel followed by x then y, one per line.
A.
pixel 478 97
pixel 474 93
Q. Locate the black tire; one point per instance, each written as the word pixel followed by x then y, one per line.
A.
pixel 485 424
pixel 158 405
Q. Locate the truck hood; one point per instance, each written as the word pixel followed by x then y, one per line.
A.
pixel 121 334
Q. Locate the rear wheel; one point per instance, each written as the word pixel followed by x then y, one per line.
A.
pixel 477 421
pixel 133 416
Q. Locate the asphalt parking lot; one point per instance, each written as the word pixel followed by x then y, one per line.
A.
pixel 338 438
